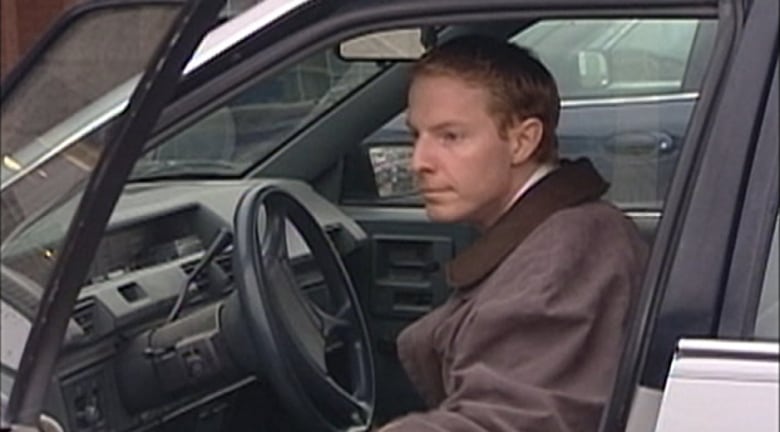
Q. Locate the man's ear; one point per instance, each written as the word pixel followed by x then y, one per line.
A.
pixel 525 137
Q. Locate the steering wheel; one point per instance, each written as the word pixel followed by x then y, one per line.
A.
pixel 295 337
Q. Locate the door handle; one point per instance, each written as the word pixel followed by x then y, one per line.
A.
pixel 640 143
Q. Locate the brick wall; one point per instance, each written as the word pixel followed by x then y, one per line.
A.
pixel 22 23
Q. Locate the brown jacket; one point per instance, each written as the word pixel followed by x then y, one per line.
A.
pixel 531 338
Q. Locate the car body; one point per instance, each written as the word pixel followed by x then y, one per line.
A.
pixel 96 246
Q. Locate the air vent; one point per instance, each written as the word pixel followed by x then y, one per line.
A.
pixel 84 315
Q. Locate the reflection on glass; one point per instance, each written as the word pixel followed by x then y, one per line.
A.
pixel 392 170
pixel 255 122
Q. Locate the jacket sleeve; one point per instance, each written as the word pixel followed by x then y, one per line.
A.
pixel 538 352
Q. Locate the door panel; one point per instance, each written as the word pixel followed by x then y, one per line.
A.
pixel 399 277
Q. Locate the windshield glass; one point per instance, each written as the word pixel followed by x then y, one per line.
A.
pixel 252 124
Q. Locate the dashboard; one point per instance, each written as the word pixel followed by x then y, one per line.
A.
pixel 155 238
pixel 153 242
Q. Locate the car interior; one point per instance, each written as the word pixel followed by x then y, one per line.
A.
pixel 261 283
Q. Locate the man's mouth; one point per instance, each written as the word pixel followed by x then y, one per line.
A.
pixel 433 194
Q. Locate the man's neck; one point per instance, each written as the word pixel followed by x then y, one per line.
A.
pixel 539 173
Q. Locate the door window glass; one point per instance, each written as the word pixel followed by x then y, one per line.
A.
pixel 613 57
pixel 47 159
pixel 626 103
pixel 47 155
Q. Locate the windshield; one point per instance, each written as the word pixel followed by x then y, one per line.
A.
pixel 252 124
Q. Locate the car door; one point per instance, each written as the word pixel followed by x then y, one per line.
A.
pixel 730 380
pixel 180 32
pixel 720 277
pixel 722 383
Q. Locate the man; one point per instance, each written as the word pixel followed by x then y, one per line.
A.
pixel 531 337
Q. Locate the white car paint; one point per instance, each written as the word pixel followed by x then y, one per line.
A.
pixel 14 329
pixel 720 386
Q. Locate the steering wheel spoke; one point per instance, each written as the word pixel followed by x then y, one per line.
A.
pixel 338 324
pixel 349 405
pixel 274 242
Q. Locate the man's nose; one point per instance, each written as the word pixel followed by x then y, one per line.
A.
pixel 421 157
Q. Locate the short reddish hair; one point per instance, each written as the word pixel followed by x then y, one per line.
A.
pixel 520 86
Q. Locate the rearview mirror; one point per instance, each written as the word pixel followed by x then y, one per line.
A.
pixel 406 44
pixel 593 69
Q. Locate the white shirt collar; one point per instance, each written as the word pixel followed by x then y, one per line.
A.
pixel 537 175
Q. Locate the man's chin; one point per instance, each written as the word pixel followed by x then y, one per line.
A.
pixel 443 215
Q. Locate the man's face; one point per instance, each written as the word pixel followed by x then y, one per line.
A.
pixel 462 164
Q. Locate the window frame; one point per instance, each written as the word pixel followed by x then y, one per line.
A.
pixel 693 271
pixel 757 226
pixel 94 209
pixel 52 35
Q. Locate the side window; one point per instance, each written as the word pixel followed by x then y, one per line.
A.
pixel 626 103
pixel 768 314
pixel 608 58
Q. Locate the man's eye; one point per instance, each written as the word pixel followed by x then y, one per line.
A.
pixel 450 136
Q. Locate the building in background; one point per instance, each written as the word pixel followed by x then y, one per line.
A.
pixel 23 23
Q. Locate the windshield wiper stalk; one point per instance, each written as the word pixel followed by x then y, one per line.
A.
pixel 220 242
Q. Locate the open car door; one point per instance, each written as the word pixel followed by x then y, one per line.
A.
pixel 115 40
